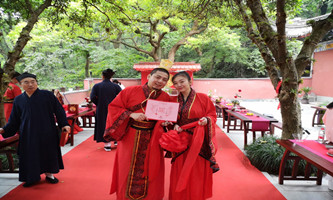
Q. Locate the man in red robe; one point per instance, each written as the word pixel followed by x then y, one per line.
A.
pixel 12 91
pixel 134 177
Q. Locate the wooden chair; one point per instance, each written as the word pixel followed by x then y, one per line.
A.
pixel 218 111
pixel 5 149
pixel 236 124
pixel 88 121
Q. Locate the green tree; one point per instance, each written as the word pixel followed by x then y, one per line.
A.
pixel 29 10
pixel 144 25
pixel 310 8
pixel 280 64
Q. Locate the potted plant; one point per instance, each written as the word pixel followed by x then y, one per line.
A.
pixel 306 90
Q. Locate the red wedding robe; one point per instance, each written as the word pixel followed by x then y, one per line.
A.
pixel 134 147
pixel 198 186
pixel 11 92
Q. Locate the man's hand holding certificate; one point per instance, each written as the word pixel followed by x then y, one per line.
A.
pixel 161 110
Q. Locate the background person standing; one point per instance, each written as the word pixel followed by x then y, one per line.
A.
pixel 12 91
pixel 101 95
pixel 117 82
pixel 34 115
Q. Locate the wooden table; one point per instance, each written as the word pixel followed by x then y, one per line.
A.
pixel 245 122
pixel 318 115
pixel 4 144
pixel 310 157
pixel 74 119
pixel 221 112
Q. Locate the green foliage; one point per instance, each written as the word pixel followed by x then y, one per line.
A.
pixel 306 90
pixel 226 53
pixel 310 8
pixel 4 160
pixel 265 154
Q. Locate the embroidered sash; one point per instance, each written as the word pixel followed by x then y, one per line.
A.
pixel 137 182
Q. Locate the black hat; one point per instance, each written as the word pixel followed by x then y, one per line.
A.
pixel 108 73
pixel 25 75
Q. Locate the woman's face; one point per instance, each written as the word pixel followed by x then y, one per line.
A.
pixel 182 84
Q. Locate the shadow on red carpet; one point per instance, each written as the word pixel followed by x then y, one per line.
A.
pixel 88 169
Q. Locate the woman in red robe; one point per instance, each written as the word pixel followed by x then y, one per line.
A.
pixel 138 171
pixel 12 91
pixel 193 181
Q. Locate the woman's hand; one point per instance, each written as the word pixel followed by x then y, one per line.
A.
pixel 139 116
pixel 66 129
pixel 203 121
pixel 166 123
pixel 177 128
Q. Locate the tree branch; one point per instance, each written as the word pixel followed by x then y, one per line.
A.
pixel 258 41
pixel 24 37
pixel 264 27
pixel 281 30
pixel 194 30
pixel 319 30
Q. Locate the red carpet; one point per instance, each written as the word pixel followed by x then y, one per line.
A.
pixel 237 178
pixel 88 169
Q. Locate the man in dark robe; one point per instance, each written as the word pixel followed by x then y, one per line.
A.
pixel 101 95
pixel 34 115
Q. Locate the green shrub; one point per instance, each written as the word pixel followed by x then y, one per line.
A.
pixel 265 154
pixel 4 160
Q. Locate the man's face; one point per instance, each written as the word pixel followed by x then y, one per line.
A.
pixel 158 80
pixel 29 85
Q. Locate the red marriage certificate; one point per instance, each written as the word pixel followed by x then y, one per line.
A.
pixel 161 110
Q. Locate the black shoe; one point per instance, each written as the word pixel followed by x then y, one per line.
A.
pixel 107 148
pixel 53 180
pixel 28 184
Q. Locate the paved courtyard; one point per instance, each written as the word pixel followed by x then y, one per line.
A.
pixel 292 190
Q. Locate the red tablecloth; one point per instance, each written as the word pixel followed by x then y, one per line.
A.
pixel 315 147
pixel 258 123
pixel 80 110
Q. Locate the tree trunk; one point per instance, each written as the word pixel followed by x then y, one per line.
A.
pixel 3 79
pixel 290 111
pixel 86 68
pixel 116 45
pixel 272 45
pixel 14 55
pixel 24 37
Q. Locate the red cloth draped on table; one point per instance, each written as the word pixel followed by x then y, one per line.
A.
pixel 77 128
pixel 315 147
pixel 258 123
